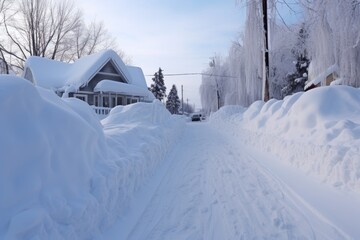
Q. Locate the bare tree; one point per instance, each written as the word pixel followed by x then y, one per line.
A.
pixel 4 6
pixel 39 28
pixel 93 38
pixel 66 21
pixel 49 28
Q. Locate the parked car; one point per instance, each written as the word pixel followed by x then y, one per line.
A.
pixel 196 117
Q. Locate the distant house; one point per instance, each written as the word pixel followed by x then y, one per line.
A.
pixel 326 78
pixel 102 80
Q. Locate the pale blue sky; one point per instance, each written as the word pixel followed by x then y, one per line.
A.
pixel 177 35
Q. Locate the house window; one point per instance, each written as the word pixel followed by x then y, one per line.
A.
pixel 83 97
pixel 130 100
pixel 119 101
pixel 112 101
pixel 134 100
pixel 105 101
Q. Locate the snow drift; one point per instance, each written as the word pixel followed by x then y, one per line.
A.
pixel 318 131
pixel 64 175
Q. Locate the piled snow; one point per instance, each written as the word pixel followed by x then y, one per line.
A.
pixel 318 131
pixel 139 136
pixel 64 175
pixel 123 88
pixel 227 112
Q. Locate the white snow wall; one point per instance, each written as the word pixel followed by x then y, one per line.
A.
pixel 317 131
pixel 64 175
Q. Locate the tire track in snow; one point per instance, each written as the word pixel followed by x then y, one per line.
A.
pixel 216 190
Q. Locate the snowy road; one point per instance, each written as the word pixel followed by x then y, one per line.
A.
pixel 213 188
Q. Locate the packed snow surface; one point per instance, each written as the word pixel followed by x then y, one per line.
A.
pixel 277 170
pixel 214 187
pixel 233 178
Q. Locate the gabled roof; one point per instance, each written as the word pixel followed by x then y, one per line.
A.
pixel 59 75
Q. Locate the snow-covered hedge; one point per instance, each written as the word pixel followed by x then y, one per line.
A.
pixel 318 131
pixel 63 174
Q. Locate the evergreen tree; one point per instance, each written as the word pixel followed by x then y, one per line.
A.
pixel 295 82
pixel 173 101
pixel 158 87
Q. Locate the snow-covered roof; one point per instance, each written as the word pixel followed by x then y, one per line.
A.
pixel 137 76
pixel 48 73
pixel 123 88
pixel 321 77
pixel 53 74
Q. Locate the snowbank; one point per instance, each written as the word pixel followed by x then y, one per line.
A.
pixel 64 175
pixel 227 112
pixel 318 131
pixel 138 137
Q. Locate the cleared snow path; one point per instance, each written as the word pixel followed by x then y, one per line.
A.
pixel 210 188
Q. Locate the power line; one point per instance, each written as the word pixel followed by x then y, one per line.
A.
pixel 192 74
pixel 176 74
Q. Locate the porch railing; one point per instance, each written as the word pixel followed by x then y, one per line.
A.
pixel 101 110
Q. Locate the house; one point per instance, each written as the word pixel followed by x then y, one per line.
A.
pixel 326 78
pixel 102 79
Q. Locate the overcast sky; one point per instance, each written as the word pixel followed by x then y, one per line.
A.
pixel 177 35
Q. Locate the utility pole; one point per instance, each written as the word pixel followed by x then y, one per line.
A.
pixel 265 90
pixel 218 96
pixel 212 65
pixel 182 99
